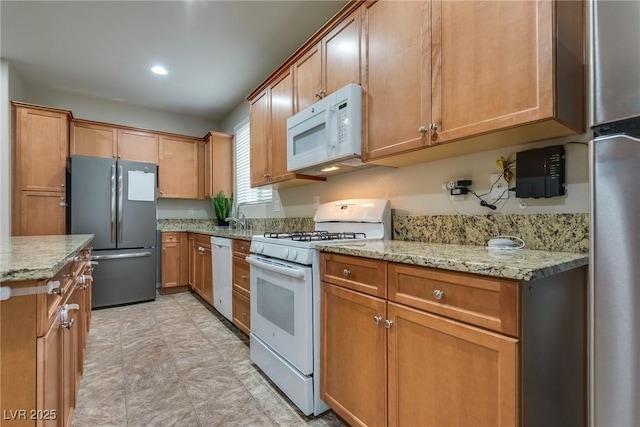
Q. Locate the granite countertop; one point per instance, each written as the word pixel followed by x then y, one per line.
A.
pixel 211 231
pixel 38 257
pixel 521 264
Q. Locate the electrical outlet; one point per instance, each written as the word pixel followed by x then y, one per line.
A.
pixel 316 202
pixel 191 213
pixel 500 188
pixel 276 205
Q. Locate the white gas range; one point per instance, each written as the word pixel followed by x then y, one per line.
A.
pixel 285 294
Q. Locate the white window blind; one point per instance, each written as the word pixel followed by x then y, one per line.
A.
pixel 244 193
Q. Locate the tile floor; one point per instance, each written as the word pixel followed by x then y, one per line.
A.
pixel 176 362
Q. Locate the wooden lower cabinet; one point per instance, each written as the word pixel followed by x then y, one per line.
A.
pixel 241 289
pixel 443 372
pixel 442 348
pixel 200 267
pixel 42 355
pixel 42 213
pixel 353 355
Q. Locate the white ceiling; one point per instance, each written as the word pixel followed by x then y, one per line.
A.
pixel 216 51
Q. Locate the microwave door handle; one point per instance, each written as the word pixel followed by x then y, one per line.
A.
pixel 332 133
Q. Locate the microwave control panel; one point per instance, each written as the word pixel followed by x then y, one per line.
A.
pixel 343 122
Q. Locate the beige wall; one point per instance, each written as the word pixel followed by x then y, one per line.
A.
pixel 417 189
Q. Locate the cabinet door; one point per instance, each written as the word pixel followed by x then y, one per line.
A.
pixel 260 127
pixel 92 139
pixel 138 146
pixel 307 77
pixel 396 77
pixel 69 365
pixel 207 274
pixel 50 373
pixel 353 359
pixel 42 146
pixel 442 372
pixel 493 65
pixel 170 264
pixel 218 164
pixel 341 54
pixel 193 259
pixel 281 98
pixel 241 311
pixel 178 167
pixel 42 213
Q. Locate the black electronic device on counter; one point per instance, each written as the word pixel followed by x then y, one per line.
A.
pixel 540 172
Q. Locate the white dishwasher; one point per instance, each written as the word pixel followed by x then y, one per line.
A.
pixel 221 268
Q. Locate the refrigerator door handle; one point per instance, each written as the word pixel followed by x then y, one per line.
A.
pixel 113 203
pixel 120 203
pixel 121 256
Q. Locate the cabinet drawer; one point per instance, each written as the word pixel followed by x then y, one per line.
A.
pixel 486 302
pixel 241 312
pixel 241 247
pixel 359 274
pixel 241 275
pixel 48 304
pixel 202 240
pixel 170 237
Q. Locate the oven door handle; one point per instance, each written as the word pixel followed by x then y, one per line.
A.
pixel 291 272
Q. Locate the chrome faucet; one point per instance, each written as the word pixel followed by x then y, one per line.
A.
pixel 239 219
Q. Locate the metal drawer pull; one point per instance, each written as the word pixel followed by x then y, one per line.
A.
pixel 64 315
pixel 243 277
pixel 68 324
pixel 346 272
pixel 438 294
pixel 377 319
pixel 388 323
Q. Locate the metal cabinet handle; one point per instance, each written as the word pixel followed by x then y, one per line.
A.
pixel 433 127
pixel 388 323
pixel 422 129
pixel 346 272
pixel 438 294
pixel 244 276
pixel 377 319
pixel 69 324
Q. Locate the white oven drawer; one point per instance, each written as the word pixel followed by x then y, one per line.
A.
pixel 281 309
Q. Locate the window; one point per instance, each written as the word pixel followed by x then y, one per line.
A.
pixel 244 193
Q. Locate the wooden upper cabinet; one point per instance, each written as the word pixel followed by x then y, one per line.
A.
pixel 396 79
pixel 104 140
pixel 308 81
pixel 341 54
pixel 93 139
pixel 492 71
pixel 138 146
pixel 178 167
pixel 329 64
pixel 260 127
pixel 218 164
pixel 41 147
pixel 281 97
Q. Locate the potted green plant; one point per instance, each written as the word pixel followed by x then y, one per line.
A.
pixel 222 207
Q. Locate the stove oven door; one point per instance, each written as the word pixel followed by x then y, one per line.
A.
pixel 281 309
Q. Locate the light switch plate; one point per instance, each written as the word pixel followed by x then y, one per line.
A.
pixel 276 205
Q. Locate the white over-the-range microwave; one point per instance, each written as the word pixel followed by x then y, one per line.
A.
pixel 326 137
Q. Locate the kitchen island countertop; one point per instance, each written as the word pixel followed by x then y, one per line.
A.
pixel 519 264
pixel 38 257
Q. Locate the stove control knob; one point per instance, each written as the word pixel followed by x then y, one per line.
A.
pixel 293 254
pixel 259 248
pixel 285 253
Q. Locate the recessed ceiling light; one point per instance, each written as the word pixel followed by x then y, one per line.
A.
pixel 159 69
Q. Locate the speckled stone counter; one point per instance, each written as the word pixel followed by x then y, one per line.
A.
pixel 38 257
pixel 520 264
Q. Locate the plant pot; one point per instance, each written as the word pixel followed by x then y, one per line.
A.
pixel 222 223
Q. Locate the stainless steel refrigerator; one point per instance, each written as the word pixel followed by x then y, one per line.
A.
pixel 614 323
pixel 116 201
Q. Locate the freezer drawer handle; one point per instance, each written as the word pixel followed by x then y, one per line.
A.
pixel 121 256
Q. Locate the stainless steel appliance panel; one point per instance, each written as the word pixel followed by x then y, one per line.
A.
pixel 123 276
pixel 615 281
pixel 136 220
pixel 616 71
pixel 93 198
